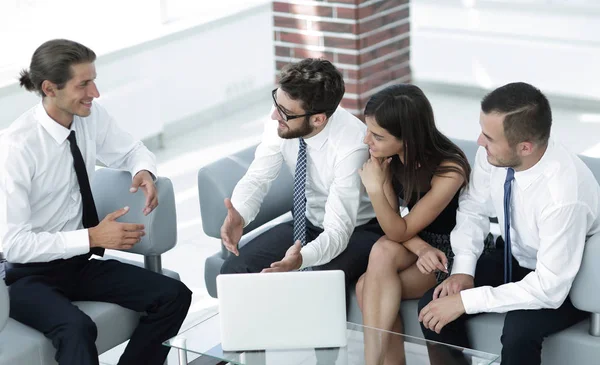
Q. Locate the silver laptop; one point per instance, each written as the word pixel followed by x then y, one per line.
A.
pixel 275 311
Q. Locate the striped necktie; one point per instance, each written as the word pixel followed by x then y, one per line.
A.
pixel 299 209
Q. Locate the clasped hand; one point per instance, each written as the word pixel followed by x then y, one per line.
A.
pixel 116 235
pixel 431 259
pixel 447 304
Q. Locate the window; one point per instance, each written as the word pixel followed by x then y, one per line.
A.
pixel 103 25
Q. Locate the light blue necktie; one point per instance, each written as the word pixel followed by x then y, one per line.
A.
pixel 299 209
pixel 510 175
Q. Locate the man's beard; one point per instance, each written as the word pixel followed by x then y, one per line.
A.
pixel 304 130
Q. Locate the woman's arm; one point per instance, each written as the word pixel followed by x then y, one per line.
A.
pixel 390 194
pixel 401 229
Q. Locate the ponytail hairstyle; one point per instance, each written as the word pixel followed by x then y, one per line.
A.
pixel 52 61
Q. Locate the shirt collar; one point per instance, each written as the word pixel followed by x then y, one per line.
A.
pixel 527 177
pixel 318 141
pixel 54 129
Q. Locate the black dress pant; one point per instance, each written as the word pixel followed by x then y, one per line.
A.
pixel 524 330
pixel 271 246
pixel 41 296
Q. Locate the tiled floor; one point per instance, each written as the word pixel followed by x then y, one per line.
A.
pixel 457 116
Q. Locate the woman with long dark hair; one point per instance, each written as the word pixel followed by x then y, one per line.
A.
pixel 411 161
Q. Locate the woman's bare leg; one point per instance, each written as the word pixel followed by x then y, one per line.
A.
pixel 414 285
pixel 381 295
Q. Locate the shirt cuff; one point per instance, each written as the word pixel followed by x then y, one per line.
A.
pixel 309 256
pixel 76 242
pixel 464 264
pixel 473 300
pixel 244 212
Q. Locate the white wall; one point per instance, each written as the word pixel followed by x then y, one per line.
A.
pixel 178 77
pixel 553 44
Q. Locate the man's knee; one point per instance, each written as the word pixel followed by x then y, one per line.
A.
pixel 183 295
pixel 234 265
pixel 517 337
pixel 174 294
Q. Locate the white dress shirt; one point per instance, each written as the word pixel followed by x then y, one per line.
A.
pixel 335 198
pixel 40 202
pixel 554 208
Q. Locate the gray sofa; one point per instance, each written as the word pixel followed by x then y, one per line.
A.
pixel 22 345
pixel 576 345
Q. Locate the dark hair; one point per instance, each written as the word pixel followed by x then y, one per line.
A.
pixel 52 61
pixel 405 112
pixel 315 82
pixel 527 112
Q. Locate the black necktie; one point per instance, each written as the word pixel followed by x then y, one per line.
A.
pixel 510 175
pixel 90 215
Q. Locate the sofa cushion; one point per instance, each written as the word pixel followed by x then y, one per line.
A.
pixel 22 345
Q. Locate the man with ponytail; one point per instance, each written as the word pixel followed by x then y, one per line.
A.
pixel 49 226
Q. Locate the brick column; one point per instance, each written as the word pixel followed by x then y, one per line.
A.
pixel 368 40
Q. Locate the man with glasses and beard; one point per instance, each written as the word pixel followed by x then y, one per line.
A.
pixel 334 226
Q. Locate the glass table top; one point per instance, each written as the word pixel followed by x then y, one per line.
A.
pixel 203 338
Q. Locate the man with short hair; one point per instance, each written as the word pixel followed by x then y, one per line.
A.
pixel 546 201
pixel 334 225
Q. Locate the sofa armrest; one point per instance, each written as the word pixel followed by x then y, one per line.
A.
pixel 469 147
pixel 585 292
pixel 4 304
pixel 217 180
pixel 111 192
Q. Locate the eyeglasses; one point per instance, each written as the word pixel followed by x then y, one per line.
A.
pixel 286 117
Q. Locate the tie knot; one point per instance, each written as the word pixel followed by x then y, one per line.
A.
pixel 302 143
pixel 510 175
pixel 72 138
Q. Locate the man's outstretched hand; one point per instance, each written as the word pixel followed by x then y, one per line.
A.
pixel 232 228
pixel 292 260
